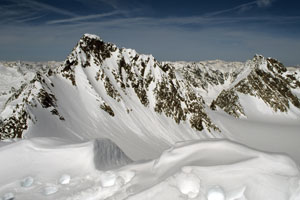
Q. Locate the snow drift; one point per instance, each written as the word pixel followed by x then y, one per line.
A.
pixel 53 157
pixel 202 170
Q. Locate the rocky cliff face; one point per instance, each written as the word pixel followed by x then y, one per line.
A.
pixel 113 84
pixel 268 80
pixel 17 115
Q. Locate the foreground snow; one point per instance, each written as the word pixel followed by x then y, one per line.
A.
pixel 208 170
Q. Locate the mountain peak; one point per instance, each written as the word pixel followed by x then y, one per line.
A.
pixel 93 44
pixel 258 56
pixel 91 36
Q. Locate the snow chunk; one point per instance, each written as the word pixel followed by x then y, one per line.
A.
pixel 188 184
pixel 8 196
pixel 27 182
pixel 108 179
pixel 65 179
pixel 50 190
pixel 216 193
pixel 127 176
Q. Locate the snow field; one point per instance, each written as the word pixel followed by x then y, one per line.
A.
pixel 99 185
pixel 200 170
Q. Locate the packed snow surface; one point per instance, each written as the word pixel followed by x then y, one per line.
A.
pixel 203 170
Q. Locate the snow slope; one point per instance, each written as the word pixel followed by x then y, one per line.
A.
pixel 190 170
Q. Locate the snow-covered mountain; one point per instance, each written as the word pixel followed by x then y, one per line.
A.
pixel 134 100
pixel 165 130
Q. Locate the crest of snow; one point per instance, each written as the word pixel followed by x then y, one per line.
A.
pixel 231 167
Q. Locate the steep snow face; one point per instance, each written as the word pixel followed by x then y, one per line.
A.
pixel 207 170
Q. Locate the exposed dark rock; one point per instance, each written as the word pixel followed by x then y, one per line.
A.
pixel 272 86
pixel 14 126
pixel 47 100
pixel 228 101
pixel 107 109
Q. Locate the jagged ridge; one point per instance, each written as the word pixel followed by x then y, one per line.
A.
pixel 115 77
pixel 268 80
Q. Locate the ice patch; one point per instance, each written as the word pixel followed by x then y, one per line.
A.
pixel 8 196
pixel 65 179
pixel 188 184
pixel 27 182
pixel 216 193
pixel 108 179
pixel 50 190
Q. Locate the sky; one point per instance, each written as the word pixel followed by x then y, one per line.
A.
pixel 170 30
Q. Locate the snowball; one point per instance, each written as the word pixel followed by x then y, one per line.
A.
pixel 8 196
pixel 108 179
pixel 27 182
pixel 65 179
pixel 188 184
pixel 216 193
pixel 50 190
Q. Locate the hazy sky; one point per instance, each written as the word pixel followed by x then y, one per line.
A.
pixel 189 30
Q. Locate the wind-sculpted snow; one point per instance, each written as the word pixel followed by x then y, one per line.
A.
pixel 53 157
pixel 207 170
